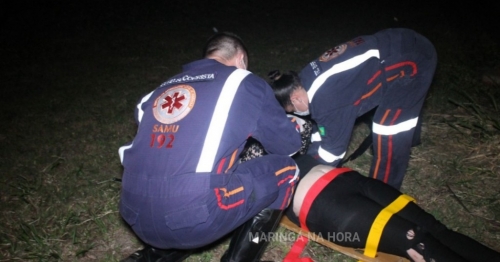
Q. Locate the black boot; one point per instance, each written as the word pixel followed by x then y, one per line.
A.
pixel 151 254
pixel 247 243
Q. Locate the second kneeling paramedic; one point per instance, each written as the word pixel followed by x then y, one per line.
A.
pixel 389 72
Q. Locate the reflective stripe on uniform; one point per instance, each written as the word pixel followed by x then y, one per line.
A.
pixel 340 67
pixel 122 149
pixel 218 121
pixel 315 137
pixel 329 157
pixel 140 112
pixel 394 129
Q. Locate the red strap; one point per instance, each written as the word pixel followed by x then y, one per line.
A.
pixel 297 247
pixel 301 242
pixel 314 191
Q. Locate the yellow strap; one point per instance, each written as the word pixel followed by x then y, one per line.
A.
pixel 380 222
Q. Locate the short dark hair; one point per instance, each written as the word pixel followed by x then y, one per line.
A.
pixel 226 44
pixel 283 85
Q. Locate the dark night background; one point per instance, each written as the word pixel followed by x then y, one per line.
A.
pixel 34 33
pixel 29 28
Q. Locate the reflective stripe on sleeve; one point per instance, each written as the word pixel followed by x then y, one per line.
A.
pixel 394 129
pixel 140 111
pixel 327 156
pixel 122 149
pixel 315 137
pixel 140 114
pixel 340 67
pixel 218 121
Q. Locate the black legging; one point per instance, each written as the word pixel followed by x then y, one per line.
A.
pixel 348 205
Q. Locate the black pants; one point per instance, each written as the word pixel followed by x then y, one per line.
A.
pixel 346 208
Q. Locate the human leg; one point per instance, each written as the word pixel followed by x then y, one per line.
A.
pixel 249 241
pixel 396 125
pixel 461 244
pixel 253 186
pixel 458 243
pixel 392 138
pixel 343 215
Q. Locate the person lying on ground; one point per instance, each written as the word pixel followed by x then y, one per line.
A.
pixel 350 202
pixel 330 201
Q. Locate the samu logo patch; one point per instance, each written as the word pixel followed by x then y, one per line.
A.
pixel 333 52
pixel 174 104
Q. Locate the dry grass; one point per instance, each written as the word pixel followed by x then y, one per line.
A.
pixel 456 178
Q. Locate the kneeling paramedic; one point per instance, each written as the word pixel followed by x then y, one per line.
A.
pixel 183 184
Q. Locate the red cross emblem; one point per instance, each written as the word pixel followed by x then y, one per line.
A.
pixel 174 104
pixel 173 101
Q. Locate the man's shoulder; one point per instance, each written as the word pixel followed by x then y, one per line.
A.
pixel 254 79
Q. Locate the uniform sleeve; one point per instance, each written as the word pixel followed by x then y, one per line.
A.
pixel 139 111
pixel 334 129
pixel 278 133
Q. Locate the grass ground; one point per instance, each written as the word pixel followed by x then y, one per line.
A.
pixel 71 74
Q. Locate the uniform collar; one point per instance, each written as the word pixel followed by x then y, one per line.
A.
pixel 200 63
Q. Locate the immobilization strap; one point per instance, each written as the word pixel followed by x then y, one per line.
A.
pixel 301 242
pixel 314 191
pixel 380 222
pixel 297 248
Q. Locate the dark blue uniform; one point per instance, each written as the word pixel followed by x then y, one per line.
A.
pixel 183 186
pixel 390 71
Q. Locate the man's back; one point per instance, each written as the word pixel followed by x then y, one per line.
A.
pixel 183 186
pixel 199 120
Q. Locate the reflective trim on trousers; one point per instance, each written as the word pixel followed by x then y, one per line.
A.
pixel 395 129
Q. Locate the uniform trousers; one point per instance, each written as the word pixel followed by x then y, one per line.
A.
pixel 193 210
